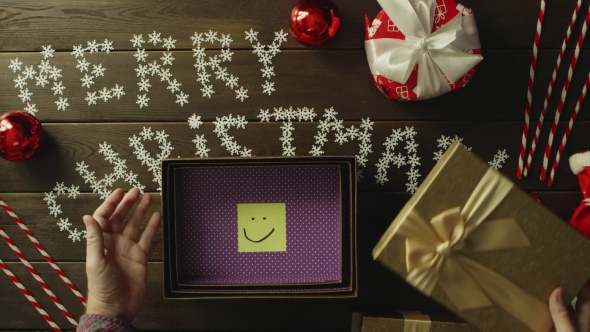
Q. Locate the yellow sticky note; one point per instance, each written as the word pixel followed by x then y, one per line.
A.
pixel 262 227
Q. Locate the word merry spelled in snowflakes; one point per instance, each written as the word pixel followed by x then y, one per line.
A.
pixel 206 67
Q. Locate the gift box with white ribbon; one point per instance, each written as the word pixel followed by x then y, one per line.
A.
pixel 422 49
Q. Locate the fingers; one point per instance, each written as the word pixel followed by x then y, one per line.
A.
pixel 132 227
pixel 94 241
pixel 559 312
pixel 123 208
pixel 583 309
pixel 150 231
pixel 106 209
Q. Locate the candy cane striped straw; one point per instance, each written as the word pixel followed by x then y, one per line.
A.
pixel 563 95
pixel 568 130
pixel 37 277
pixel 29 297
pixel 550 89
pixel 43 252
pixel 527 114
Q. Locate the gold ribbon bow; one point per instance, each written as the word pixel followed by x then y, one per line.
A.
pixel 434 254
pixel 415 321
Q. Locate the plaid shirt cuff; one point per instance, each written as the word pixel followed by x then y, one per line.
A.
pixel 94 322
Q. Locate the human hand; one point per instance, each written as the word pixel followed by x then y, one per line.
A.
pixel 116 262
pixel 570 321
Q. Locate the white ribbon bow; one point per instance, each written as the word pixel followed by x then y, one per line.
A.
pixel 438 54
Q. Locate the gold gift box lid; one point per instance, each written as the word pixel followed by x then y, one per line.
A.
pixel 557 256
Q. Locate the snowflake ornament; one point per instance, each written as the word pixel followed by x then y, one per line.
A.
pixel 41 80
pixel 167 59
pixel 140 55
pixel 15 64
pixel 31 108
pixel 47 51
pixel 44 67
pixel 62 103
pixel 144 84
pixel 154 37
pixel 242 93
pixel 181 99
pixel 117 91
pixel 142 100
pixel 20 82
pixel 55 73
pixel 251 35
pixel 194 121
pixel 499 159
pixel 268 87
pixel 91 98
pixel 83 65
pixel 58 88
pixel 29 72
pixel 25 95
pixel 87 81
pixel 78 51
pixel 137 41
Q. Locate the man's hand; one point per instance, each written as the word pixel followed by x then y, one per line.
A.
pixel 116 262
pixel 570 321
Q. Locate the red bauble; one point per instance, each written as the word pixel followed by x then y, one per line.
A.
pixel 21 135
pixel 315 22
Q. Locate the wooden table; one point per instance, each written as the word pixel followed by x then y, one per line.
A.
pixel 487 114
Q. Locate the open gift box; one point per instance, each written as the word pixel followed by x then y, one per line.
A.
pixel 259 227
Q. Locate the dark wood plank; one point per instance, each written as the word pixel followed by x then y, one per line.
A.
pixel 375 213
pixel 68 144
pixel 380 291
pixel 339 79
pixel 501 23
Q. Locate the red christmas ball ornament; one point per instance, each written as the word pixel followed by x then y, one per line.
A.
pixel 314 23
pixel 21 135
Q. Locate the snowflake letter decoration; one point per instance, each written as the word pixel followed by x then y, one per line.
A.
pixel 287 115
pixel 55 209
pixel 222 126
pixel 389 157
pixel 265 55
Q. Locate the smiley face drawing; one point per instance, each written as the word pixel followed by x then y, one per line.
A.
pixel 262 227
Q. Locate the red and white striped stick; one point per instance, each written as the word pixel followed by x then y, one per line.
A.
pixel 568 130
pixel 43 252
pixel 29 297
pixel 566 87
pixel 37 277
pixel 527 114
pixel 527 165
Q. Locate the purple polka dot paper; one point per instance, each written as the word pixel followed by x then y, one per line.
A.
pixel 207 233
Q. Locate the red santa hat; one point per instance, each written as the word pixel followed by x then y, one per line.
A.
pixel 580 161
pixel 580 165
